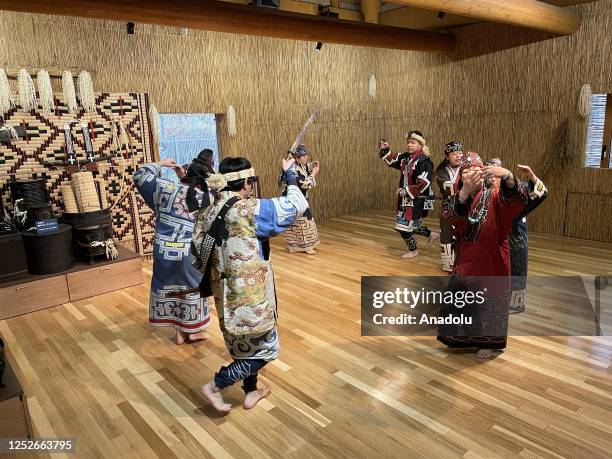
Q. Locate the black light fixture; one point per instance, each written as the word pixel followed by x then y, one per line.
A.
pixel 441 15
pixel 130 28
pixel 325 10
pixel 318 46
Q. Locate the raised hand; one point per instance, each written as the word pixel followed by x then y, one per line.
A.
pixel 472 181
pixel 528 172
pixel 287 163
pixel 180 172
pixel 168 162
pixel 495 171
pixel 383 145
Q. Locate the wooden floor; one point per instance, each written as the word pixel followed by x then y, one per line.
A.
pixel 95 371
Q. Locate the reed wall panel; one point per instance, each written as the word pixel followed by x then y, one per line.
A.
pixel 505 92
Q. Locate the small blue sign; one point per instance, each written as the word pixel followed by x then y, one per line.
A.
pixel 47 226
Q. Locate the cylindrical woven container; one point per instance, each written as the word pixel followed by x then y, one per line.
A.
pixel 88 240
pixel 33 192
pixel 87 219
pixel 85 191
pixel 49 253
pixel 88 227
pixel 70 202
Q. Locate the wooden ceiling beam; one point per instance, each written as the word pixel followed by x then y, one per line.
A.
pixel 235 18
pixel 531 14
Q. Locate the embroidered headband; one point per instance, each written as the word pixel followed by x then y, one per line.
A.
pixel 415 136
pixel 300 151
pixel 219 181
pixel 450 147
pixel 246 173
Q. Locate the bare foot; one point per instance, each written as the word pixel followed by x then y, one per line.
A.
pixel 311 252
pixel 433 237
pixel 180 337
pixel 251 398
pixel 410 255
pixel 199 336
pixel 487 354
pixel 214 396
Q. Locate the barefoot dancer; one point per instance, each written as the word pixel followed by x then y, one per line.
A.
pixel 174 205
pixel 414 190
pixel 446 173
pixel 303 236
pixel 231 248
pixel 481 214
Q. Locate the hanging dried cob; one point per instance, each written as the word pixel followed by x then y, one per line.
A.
pixel 27 91
pixel 6 99
pixel 69 91
pixel 45 92
pixel 86 92
pixel 231 121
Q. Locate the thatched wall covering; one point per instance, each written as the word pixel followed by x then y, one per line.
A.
pixel 508 102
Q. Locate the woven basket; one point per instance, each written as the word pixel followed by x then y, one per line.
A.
pixel 70 202
pixel 85 191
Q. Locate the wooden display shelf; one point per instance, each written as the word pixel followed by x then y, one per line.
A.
pixel 83 280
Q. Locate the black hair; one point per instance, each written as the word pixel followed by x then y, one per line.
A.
pixel 205 154
pixel 442 165
pixel 419 133
pixel 234 164
pixel 196 174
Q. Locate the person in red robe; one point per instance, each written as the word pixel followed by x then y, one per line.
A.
pixel 481 214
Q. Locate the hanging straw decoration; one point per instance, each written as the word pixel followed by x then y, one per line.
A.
pixel 6 100
pixel 45 92
pixel 231 121
pixel 86 91
pixel 372 85
pixel 584 102
pixel 155 123
pixel 69 92
pixel 27 91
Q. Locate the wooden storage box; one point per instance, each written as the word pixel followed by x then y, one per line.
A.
pixel 102 279
pixel 82 281
pixel 31 296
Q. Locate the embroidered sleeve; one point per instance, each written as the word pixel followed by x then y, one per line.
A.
pixel 424 170
pixel 273 216
pixel 537 193
pixel 148 181
pixel 445 184
pixel 393 159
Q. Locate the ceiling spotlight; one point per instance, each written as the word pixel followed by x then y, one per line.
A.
pixel 130 28
pixel 318 46
pixel 441 15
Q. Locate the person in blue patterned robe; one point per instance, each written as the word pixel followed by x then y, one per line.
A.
pixel 172 269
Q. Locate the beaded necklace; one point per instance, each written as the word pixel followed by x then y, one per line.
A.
pixel 481 208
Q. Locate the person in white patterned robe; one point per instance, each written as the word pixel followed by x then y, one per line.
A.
pixel 239 274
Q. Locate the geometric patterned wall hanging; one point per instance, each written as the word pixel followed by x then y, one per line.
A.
pixel 133 221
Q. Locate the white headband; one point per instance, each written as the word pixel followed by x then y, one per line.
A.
pixel 416 137
pixel 219 181
pixel 246 173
